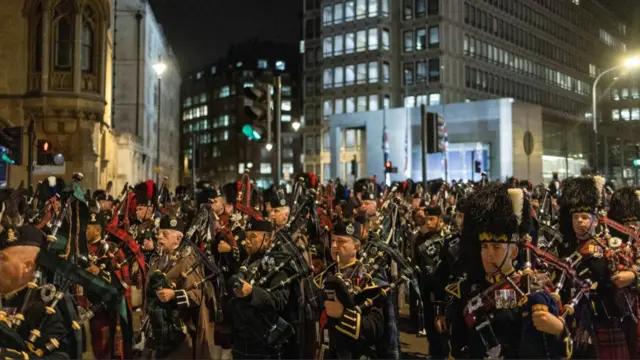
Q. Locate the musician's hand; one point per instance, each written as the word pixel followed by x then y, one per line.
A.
pixel 166 295
pixel 148 244
pixel 548 323
pixel 94 270
pixel 441 324
pixel 334 309
pixel 245 290
pixel 623 278
pixel 224 247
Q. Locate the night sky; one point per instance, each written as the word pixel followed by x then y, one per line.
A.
pixel 200 31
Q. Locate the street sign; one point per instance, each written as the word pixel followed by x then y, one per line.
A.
pixel 49 169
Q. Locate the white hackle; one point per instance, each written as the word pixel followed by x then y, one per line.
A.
pixel 517 202
pixel 599 182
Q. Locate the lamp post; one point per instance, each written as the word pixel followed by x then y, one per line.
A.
pixel 159 67
pixel 629 64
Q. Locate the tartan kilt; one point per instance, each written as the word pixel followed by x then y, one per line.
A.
pixel 611 343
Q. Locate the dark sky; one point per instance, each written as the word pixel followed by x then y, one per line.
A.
pixel 200 31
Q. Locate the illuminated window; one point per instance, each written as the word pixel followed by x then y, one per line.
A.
pixel 339 103
pixel 262 64
pixel 280 65
pixel 286 105
pixel 224 92
pixel 328 108
pixel 338 13
pixel 361 41
pixel 338 76
pixel 373 39
pixel 265 168
pixel 285 118
pixel 327 15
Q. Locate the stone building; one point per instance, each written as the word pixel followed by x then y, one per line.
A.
pixel 139 95
pixel 55 71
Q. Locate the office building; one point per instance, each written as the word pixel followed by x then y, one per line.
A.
pixel 213 114
pixel 365 55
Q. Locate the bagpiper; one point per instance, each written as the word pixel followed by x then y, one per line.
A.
pixel 260 314
pixel 145 216
pixel 354 324
pixel 28 328
pixel 279 206
pixel 496 312
pixel 176 322
pixel 603 318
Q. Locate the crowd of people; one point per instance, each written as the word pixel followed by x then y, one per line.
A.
pixel 228 271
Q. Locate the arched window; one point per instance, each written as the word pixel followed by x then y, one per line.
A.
pixel 63 43
pixel 86 55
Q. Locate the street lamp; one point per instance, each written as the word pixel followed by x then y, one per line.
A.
pixel 295 125
pixel 159 67
pixel 269 146
pixel 630 63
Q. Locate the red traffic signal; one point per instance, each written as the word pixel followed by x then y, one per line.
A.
pixel 387 164
pixel 45 154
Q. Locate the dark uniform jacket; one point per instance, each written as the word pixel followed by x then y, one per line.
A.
pixel 359 335
pixel 488 320
pixel 260 321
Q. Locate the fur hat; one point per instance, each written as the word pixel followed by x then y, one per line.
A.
pixel 493 214
pixel 501 214
pixel 582 194
pixel 230 191
pixel 624 206
pixel 146 193
pixel 579 194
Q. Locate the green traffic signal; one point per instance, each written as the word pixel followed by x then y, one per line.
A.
pixel 7 159
pixel 251 133
pixel 636 162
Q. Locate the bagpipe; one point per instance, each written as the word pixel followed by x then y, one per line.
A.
pixel 118 228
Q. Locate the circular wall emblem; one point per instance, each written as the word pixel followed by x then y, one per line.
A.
pixel 527 142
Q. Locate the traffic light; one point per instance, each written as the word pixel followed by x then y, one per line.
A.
pixel 259 112
pixel 636 162
pixel 477 166
pixel 436 135
pixel 11 145
pixel 388 168
pixel 45 153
